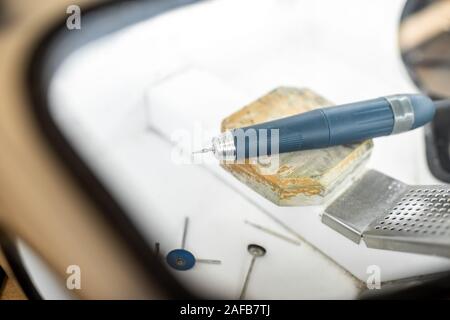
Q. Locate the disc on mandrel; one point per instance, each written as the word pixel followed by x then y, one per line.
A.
pixel 299 178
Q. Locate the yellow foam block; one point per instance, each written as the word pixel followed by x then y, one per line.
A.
pixel 308 177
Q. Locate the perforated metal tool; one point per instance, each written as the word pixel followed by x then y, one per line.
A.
pixel 388 214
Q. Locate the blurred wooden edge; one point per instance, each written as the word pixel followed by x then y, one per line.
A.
pixel 425 25
pixel 39 201
pixel 10 289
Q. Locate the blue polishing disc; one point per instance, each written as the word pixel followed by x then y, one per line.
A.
pixel 180 259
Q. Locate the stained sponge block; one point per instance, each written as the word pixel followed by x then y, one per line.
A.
pixel 301 178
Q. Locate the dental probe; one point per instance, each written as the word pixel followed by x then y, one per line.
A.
pixel 325 127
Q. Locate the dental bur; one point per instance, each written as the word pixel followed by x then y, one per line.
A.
pixel 325 127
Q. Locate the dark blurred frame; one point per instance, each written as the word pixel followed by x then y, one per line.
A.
pixel 437 134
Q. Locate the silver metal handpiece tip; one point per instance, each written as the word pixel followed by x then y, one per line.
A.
pixel 204 150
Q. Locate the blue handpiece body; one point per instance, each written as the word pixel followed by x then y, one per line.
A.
pixel 321 128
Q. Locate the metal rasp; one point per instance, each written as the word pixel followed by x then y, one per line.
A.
pixel 388 214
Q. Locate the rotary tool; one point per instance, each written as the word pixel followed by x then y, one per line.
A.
pixel 326 127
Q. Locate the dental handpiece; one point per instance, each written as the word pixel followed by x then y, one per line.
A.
pixel 325 127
